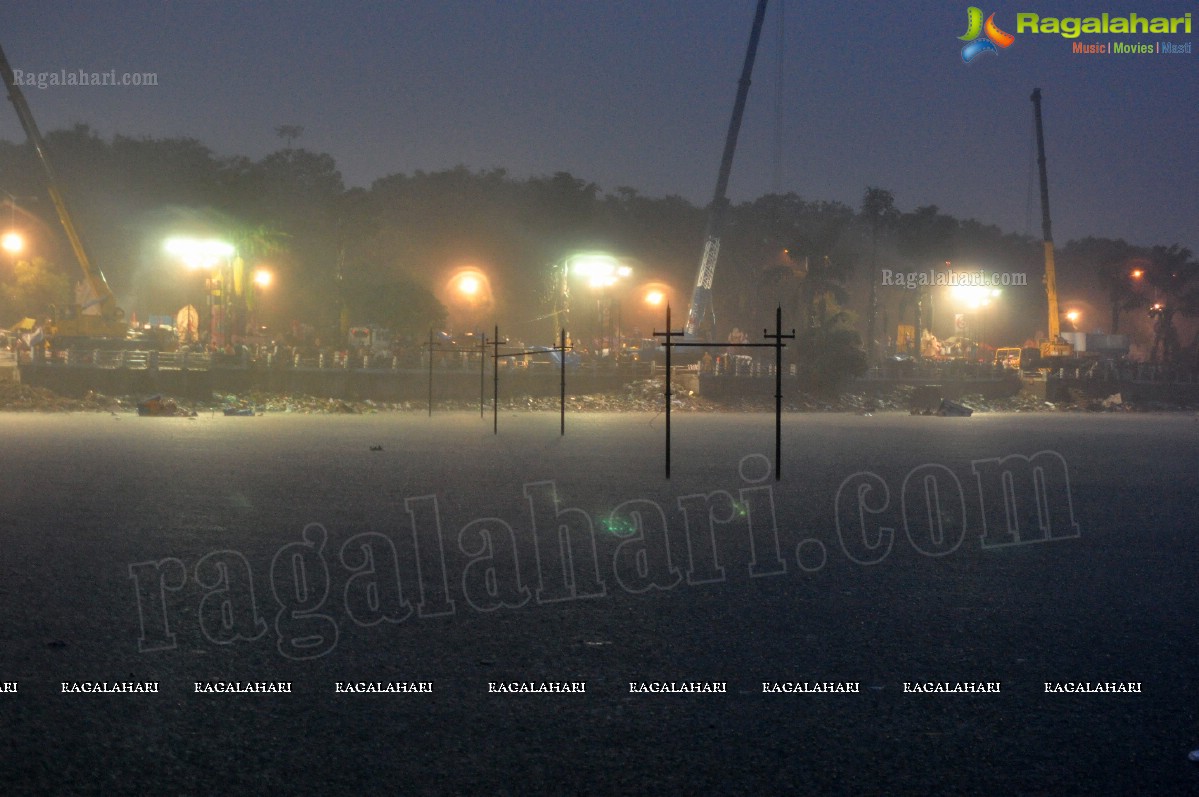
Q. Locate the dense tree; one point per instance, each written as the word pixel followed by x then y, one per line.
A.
pixel 925 236
pixel 1119 267
pixel 339 254
pixel 829 260
pixel 1173 274
pixel 401 305
pixel 33 288
pixel 829 354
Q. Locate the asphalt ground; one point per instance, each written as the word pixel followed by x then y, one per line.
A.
pixel 395 548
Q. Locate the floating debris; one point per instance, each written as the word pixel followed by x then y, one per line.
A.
pixel 159 407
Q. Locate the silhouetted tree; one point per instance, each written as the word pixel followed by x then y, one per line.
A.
pixel 879 213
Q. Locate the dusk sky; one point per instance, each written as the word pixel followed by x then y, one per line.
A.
pixel 639 94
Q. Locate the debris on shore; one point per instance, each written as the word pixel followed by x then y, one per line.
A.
pixel 640 396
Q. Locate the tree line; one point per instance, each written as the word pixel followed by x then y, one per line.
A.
pixel 383 254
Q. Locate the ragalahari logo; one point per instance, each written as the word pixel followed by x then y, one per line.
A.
pixel 991 40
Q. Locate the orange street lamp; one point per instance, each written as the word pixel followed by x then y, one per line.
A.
pixel 468 285
pixel 12 242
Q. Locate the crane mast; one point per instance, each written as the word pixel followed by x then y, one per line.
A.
pixel 100 317
pixel 1054 345
pixel 701 317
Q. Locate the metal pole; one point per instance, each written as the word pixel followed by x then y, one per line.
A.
pixel 562 357
pixel 495 389
pixel 669 343
pixel 430 372
pixel 778 337
pixel 482 372
pixel 778 390
pixel 668 335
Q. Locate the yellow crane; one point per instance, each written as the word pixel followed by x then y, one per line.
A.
pixel 97 314
pixel 1054 346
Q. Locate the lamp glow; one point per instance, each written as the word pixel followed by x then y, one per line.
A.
pixel 12 242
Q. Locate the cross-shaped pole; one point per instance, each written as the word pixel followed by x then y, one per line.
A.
pixel 431 345
pixel 778 337
pixel 495 380
pixel 668 338
pixel 562 349
pixel 482 370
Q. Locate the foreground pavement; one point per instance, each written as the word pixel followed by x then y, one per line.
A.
pixel 308 604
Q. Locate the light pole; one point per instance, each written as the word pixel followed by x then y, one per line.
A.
pixel 13 241
pixel 469 297
pixel 260 281
pixel 1122 292
pixel 602 272
pixel 976 298
pixel 216 257
pixel 651 298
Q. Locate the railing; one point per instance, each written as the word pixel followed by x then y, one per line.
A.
pixel 727 366
pixel 111 360
pixel 1145 373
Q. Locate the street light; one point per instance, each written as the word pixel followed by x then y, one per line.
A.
pixel 470 286
pixel 651 297
pixel 601 271
pixel 13 242
pixel 975 298
pixel 208 254
pixel 468 295
pixel 261 280
pixel 199 253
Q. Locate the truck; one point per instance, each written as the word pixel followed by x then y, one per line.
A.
pixel 94 316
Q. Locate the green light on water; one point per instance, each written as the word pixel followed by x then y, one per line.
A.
pixel 619 526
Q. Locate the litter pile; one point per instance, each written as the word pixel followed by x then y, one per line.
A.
pixel 1077 403
pixel 639 396
pixel 18 396
pixel 157 406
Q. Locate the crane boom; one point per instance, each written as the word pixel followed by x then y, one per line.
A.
pixel 101 317
pixel 1054 345
pixel 701 316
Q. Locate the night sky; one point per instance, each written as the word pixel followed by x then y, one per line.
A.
pixel 639 94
